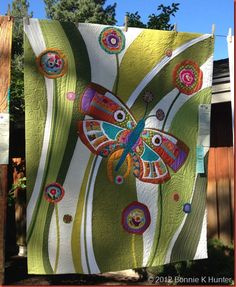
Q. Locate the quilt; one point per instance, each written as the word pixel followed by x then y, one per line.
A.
pixel 117 135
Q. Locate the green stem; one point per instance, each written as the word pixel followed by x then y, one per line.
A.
pixel 85 214
pixel 117 74
pixel 133 251
pixel 160 223
pixel 168 112
pixel 58 240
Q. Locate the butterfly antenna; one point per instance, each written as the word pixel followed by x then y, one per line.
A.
pixel 145 113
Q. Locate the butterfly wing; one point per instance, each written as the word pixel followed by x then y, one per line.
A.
pixel 100 104
pixel 99 136
pixel 156 152
pixel 149 166
pixel 173 151
pixel 112 121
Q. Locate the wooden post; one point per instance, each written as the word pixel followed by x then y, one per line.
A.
pixel 5 64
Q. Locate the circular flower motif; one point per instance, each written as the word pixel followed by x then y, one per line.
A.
pixel 160 114
pixel 112 40
pixel 148 97
pixel 119 179
pixel 168 52
pixel 187 207
pixel 52 63
pixel 136 218
pixel 67 218
pixel 54 192
pixel 176 197
pixel 71 96
pixel 187 77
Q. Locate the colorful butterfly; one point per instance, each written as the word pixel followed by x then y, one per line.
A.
pixel 113 129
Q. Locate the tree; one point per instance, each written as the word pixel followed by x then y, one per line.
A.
pixel 90 11
pixel 18 11
pixel 134 20
pixel 159 22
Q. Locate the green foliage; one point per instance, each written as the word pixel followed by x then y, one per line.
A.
pixel 18 11
pixel 20 185
pixel 159 22
pixel 162 20
pixel 90 11
pixel 17 105
pixel 134 20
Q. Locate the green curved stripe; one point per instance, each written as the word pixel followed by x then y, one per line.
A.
pixel 116 84
pixel 36 231
pixel 83 73
pixel 143 55
pixel 46 263
pixel 33 85
pixel 190 234
pixel 58 240
pixel 110 240
pixel 159 224
pixel 61 122
pixel 83 77
pixel 76 231
pixel 184 126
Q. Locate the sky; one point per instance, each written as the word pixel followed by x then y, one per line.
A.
pixel 195 16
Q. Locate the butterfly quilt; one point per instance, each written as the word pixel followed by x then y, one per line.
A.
pixel 117 137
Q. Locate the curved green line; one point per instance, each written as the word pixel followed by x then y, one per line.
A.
pixel 58 240
pixel 133 250
pixel 117 75
pixel 46 263
pixel 160 200
pixel 168 112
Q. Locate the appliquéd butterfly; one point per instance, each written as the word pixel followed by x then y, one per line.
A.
pixel 112 131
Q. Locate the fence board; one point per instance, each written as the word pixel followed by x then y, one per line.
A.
pixel 231 191
pixel 212 207
pixel 222 176
pixel 220 194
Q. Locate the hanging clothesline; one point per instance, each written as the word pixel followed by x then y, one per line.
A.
pixel 126 20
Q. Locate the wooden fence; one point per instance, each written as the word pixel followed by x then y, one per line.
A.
pixel 220 194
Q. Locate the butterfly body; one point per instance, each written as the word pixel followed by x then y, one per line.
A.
pixel 132 140
pixel 113 128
